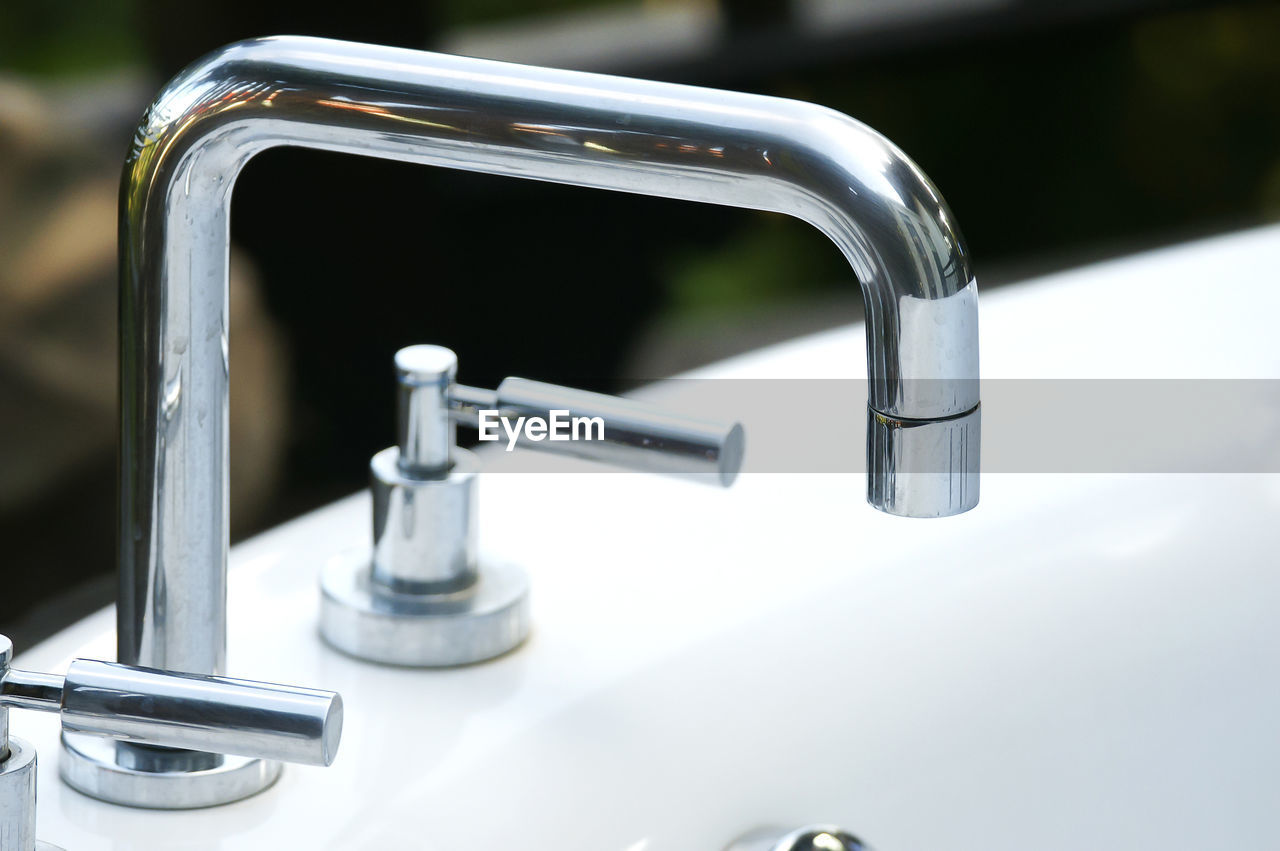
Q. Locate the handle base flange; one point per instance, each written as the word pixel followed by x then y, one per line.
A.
pixel 485 620
pixel 89 765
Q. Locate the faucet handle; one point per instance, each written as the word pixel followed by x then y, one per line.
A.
pixel 145 706
pixel 422 596
pixel 142 706
pixel 621 432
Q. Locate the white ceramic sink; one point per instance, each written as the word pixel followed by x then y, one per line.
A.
pixel 1082 661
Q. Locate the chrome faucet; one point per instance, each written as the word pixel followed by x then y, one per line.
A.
pixel 584 129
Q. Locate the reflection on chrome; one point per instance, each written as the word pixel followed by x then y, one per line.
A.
pixel 818 837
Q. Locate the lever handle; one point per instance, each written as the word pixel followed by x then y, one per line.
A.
pixel 630 434
pixel 635 435
pixel 212 714
pixel 423 596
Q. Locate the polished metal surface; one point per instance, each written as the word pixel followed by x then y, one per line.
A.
pixel 18 690
pixel 161 739
pixel 18 797
pixel 635 435
pixel 926 468
pixel 17 773
pixel 119 773
pixel 814 837
pixel 466 403
pixel 424 536
pixel 421 597
pixel 6 656
pixel 424 429
pixel 28 690
pixel 213 714
pixel 630 135
pixel 481 621
pixel 606 132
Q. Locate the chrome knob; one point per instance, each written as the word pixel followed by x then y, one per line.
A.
pixel 424 430
pixel 814 837
pixel 421 597
pixel 158 709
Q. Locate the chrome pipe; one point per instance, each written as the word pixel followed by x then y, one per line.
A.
pixel 584 129
pixel 6 657
pixel 28 690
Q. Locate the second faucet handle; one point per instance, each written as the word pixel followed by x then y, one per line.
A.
pixel 620 432
pixel 147 710
pixel 421 597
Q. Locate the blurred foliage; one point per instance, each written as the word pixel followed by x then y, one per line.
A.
pixel 1094 140
pixel 772 258
pixel 1213 78
pixel 468 12
pixel 68 36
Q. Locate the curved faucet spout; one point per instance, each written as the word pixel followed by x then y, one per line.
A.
pixel 584 129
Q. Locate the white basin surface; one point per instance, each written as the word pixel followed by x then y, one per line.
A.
pixel 1083 661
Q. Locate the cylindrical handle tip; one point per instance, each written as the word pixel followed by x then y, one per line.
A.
pixel 213 714
pixel 332 731
pixel 426 364
pixel 732 451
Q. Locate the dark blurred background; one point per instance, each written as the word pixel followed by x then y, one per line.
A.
pixel 1059 132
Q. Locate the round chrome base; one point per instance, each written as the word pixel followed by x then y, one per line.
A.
pixel 17 791
pixel 485 620
pixel 170 780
